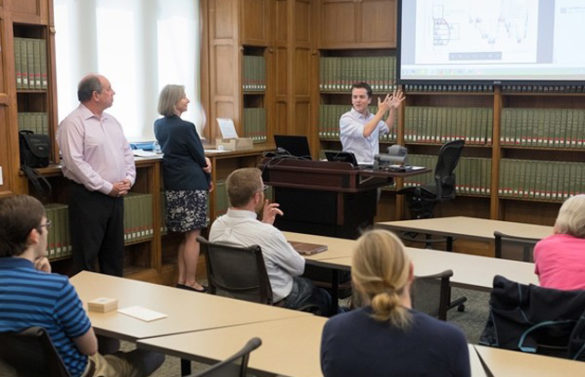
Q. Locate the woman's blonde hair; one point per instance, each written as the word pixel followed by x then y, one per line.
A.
pixel 571 218
pixel 168 98
pixel 381 272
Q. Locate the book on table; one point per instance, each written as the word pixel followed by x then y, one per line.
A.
pixel 305 248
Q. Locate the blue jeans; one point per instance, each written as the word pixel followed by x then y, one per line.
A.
pixel 304 295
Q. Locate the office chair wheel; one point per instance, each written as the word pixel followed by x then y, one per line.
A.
pixel 461 308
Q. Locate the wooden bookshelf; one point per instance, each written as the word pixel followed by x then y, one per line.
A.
pixel 342 34
pixel 234 30
pixel 357 24
pixel 31 19
pixel 292 36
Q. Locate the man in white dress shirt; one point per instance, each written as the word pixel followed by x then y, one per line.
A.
pixel 240 226
pixel 359 129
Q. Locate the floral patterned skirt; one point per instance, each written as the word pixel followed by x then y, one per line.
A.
pixel 186 210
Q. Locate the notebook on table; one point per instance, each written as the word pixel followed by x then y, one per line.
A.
pixel 305 248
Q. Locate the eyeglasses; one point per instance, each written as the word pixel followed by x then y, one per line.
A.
pixel 264 188
pixel 47 225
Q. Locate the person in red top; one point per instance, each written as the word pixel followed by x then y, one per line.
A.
pixel 560 258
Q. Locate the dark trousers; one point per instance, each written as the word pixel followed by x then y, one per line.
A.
pixel 305 295
pixel 96 224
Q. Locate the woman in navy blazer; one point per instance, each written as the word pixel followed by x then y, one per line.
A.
pixel 186 176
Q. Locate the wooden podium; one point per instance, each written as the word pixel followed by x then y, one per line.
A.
pixel 326 198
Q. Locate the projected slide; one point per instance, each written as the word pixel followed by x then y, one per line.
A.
pixel 492 40
pixel 489 32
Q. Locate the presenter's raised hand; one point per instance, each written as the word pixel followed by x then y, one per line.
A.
pixel 384 105
pixel 396 98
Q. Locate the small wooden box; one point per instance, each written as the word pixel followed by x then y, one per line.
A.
pixel 102 304
pixel 235 144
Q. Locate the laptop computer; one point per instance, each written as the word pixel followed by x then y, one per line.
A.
pixel 294 144
pixel 341 156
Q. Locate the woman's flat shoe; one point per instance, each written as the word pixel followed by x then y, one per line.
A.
pixel 188 288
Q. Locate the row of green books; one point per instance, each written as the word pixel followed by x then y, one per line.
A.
pixel 163 213
pixel 221 199
pixel 532 88
pixel 339 73
pixel 476 88
pixel 552 128
pixel 489 88
pixel 30 62
pixel 255 124
pixel 544 180
pixel 428 124
pixel 35 122
pixel 254 75
pixel 329 122
pixel 59 239
pixel 472 174
pixel 138 222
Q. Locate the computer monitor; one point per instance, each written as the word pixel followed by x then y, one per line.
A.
pixel 294 144
pixel 341 156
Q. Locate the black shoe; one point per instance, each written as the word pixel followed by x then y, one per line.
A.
pixel 188 288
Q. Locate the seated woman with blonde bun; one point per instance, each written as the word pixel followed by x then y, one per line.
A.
pixel 560 259
pixel 387 337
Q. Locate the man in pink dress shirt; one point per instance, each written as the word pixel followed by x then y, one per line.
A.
pixel 99 161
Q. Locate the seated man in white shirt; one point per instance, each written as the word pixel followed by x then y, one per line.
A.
pixel 240 226
pixel 359 130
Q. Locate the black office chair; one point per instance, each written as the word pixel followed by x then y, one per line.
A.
pixel 422 199
pixel 431 294
pixel 31 353
pixel 513 247
pixel 235 365
pixel 236 272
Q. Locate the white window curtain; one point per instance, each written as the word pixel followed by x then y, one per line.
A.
pixel 139 45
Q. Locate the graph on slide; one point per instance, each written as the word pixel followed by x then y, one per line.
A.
pixel 477 31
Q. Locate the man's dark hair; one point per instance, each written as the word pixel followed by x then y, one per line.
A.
pixel 18 216
pixel 87 86
pixel 362 85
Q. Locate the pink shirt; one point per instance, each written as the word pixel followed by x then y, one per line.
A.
pixel 95 151
pixel 560 262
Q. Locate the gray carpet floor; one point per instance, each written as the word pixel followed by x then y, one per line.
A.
pixel 471 321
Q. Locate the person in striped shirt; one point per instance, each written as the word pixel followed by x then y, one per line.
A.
pixel 30 295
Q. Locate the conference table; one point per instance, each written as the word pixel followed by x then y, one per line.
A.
pixel 506 363
pixel 290 347
pixel 210 328
pixel 207 328
pixel 472 228
pixel 469 271
pixel 185 310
